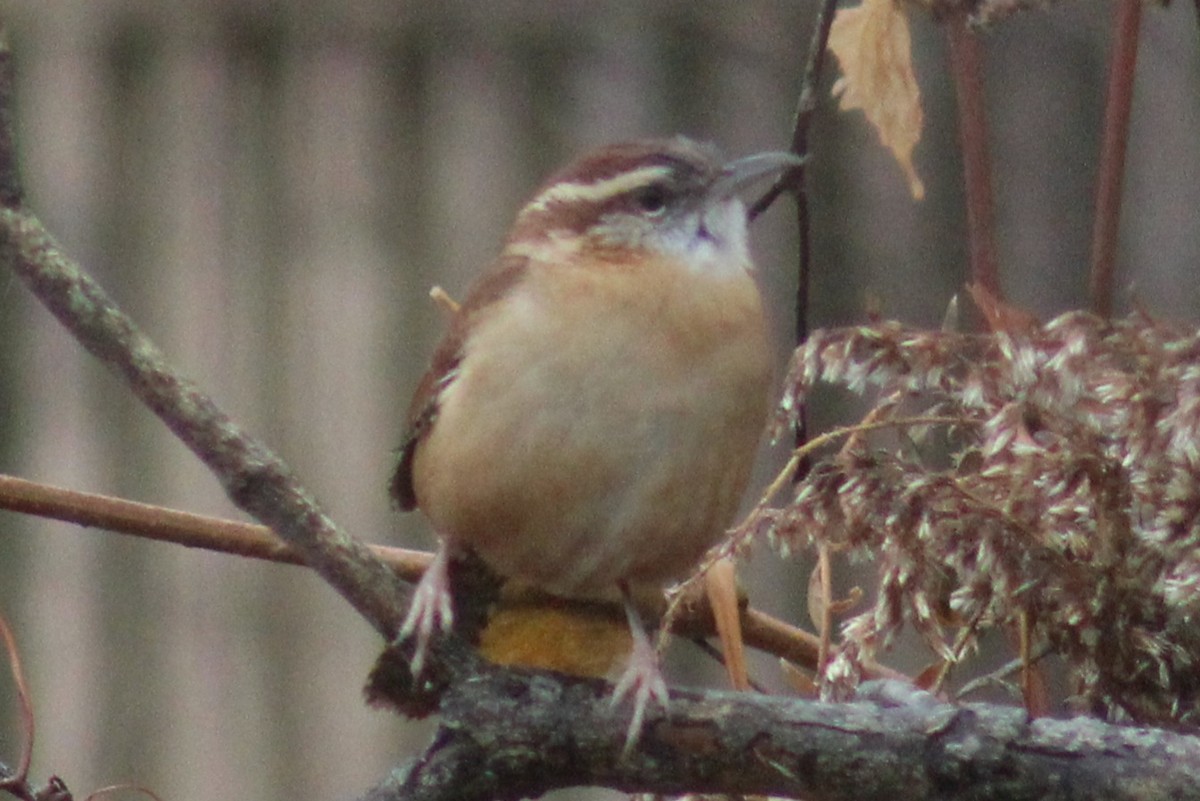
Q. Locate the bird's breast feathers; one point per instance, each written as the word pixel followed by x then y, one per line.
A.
pixel 597 406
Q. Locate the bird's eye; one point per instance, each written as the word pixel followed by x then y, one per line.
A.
pixel 651 199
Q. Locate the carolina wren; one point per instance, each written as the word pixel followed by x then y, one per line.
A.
pixel 590 418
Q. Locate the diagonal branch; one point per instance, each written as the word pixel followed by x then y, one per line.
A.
pixel 256 480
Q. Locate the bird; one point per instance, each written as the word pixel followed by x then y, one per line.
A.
pixel 590 418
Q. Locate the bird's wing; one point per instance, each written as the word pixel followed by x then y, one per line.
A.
pixel 493 284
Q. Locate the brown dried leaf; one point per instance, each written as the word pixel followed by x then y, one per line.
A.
pixel 800 682
pixel 720 584
pixel 874 49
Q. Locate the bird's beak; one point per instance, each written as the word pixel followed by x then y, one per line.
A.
pixel 740 173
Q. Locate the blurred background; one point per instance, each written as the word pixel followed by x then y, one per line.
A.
pixel 271 189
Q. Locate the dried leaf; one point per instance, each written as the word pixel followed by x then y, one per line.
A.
pixel 874 49
pixel 800 682
pixel 720 584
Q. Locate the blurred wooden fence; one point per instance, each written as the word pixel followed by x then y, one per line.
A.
pixel 271 188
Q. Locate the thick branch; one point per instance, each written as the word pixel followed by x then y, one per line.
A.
pixel 506 736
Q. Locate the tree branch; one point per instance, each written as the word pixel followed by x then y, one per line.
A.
pixel 255 479
pixel 162 524
pixel 171 525
pixel 508 735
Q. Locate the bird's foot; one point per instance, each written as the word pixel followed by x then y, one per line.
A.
pixel 642 678
pixel 431 609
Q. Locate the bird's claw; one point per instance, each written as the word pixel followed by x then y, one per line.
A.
pixel 431 609
pixel 642 678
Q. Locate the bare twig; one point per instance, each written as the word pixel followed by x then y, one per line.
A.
pixel 796 182
pixel 825 572
pixel 967 68
pixel 793 180
pixel 28 723
pixel 1001 674
pixel 257 542
pixel 170 525
pixel 1118 104
pixel 113 789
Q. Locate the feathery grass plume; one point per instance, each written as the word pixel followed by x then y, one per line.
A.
pixel 1067 496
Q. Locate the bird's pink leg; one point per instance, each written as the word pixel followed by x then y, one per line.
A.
pixel 431 607
pixel 642 676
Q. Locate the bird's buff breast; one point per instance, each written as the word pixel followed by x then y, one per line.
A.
pixel 602 426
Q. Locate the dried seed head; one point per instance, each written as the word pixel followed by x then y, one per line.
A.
pixel 1070 499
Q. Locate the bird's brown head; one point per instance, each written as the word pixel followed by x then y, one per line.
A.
pixel 674 197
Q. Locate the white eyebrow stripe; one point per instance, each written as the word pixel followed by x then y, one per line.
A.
pixel 597 191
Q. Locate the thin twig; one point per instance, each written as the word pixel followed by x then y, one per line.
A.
pixel 1118 104
pixel 795 181
pixel 258 542
pixel 825 571
pixel 19 776
pixel 112 789
pixel 826 437
pixel 171 525
pixel 774 636
pixel 1006 670
pixel 967 68
pixel 254 478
